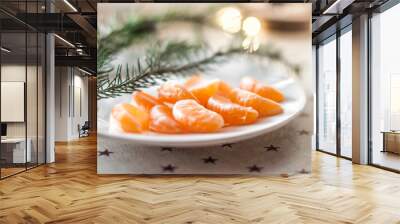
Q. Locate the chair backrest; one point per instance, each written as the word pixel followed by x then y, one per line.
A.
pixel 86 124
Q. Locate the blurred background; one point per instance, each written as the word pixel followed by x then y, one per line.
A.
pixel 285 28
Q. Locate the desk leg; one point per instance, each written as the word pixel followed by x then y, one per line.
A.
pixel 384 142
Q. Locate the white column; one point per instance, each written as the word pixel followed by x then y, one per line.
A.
pixel 50 100
pixel 50 92
pixel 360 90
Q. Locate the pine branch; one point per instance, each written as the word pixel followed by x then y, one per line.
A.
pixel 134 31
pixel 139 29
pixel 160 60
pixel 148 77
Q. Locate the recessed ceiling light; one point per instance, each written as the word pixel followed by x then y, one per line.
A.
pixel 64 40
pixel 84 71
pixel 70 5
pixel 337 7
pixel 5 50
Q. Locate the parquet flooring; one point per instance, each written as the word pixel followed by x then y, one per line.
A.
pixel 70 191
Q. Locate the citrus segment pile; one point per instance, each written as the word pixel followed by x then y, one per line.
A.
pixel 162 120
pixel 130 118
pixel 232 113
pixel 144 100
pixel 264 106
pixel 197 106
pixel 196 118
pixel 203 90
pixel 172 91
pixel 252 85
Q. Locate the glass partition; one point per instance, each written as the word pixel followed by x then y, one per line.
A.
pixel 32 97
pixel 385 90
pixel 14 145
pixel 327 96
pixel 346 93
pixel 23 89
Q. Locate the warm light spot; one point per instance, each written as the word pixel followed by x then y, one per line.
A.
pixel 251 43
pixel 230 19
pixel 251 26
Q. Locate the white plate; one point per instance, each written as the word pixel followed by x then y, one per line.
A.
pixel 293 105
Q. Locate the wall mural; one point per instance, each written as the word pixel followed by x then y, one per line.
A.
pixel 217 89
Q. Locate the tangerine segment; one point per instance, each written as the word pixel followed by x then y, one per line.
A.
pixel 193 80
pixel 196 118
pixel 144 101
pixel 172 91
pixel 264 106
pixel 252 85
pixel 203 90
pixel 232 113
pixel 130 118
pixel 224 89
pixel 162 120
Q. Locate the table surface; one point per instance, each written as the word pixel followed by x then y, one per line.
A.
pixel 13 140
pixel 390 132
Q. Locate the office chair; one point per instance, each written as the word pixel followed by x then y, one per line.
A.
pixel 84 130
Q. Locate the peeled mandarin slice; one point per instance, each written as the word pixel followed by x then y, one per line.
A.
pixel 172 91
pixel 224 89
pixel 196 118
pixel 264 106
pixel 232 113
pixel 252 85
pixel 144 101
pixel 204 90
pixel 195 79
pixel 130 118
pixel 162 120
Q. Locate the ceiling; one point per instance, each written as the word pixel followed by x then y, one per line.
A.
pixel 76 21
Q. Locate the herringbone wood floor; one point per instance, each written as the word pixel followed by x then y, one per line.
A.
pixel 70 191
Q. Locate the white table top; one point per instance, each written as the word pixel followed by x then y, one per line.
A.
pixel 13 140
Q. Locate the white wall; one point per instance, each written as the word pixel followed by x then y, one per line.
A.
pixel 69 112
pixel 61 103
pixel 80 104
pixel 12 73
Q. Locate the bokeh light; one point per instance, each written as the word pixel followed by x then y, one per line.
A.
pixel 251 26
pixel 251 43
pixel 230 19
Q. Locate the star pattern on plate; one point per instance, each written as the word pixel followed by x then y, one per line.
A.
pixel 227 145
pixel 210 160
pixel 168 149
pixel 272 148
pixel 169 168
pixel 303 132
pixel 105 153
pixel 255 168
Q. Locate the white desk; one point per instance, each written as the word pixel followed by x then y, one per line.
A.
pixel 17 147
